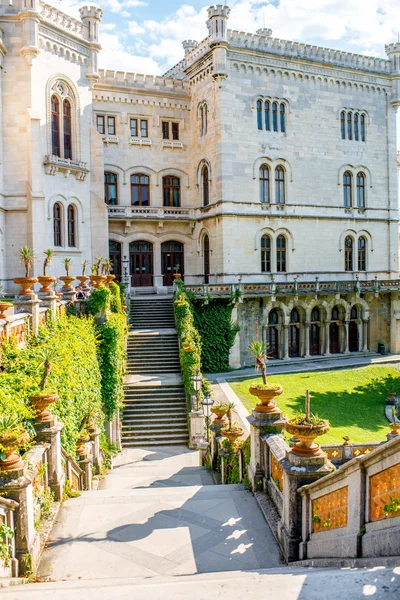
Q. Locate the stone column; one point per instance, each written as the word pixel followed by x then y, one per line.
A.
pixel 260 424
pixel 96 454
pixel 68 295
pixel 327 339
pixel 297 471
pixel 285 331
pixel 196 428
pixel 30 305
pixel 234 354
pixel 50 433
pixel 307 339
pixel 86 466
pixel 365 335
pixel 346 337
pixel 49 301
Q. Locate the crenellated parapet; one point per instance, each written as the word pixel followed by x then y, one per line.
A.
pixel 139 81
pixel 61 20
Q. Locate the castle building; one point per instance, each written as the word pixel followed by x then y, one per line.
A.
pixel 254 162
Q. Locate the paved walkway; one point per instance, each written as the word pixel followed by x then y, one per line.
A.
pixel 158 513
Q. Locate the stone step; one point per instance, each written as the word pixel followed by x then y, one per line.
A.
pixel 154 427
pixel 160 371
pixel 149 437
pixel 169 441
pixel 152 411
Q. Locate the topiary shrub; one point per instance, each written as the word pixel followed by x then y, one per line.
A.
pixel 98 302
pixel 111 353
pixel 116 304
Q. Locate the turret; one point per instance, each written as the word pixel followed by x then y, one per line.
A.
pixel 393 52
pixel 91 17
pixel 188 45
pixel 218 23
pixel 30 18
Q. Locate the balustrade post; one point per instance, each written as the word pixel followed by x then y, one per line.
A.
pixel 50 433
pixel 261 423
pixel 30 305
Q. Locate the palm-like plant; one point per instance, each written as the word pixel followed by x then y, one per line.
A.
pixel 27 258
pixel 258 350
pixel 67 265
pixel 230 407
pixel 47 358
pixel 84 266
pixel 107 266
pixel 97 264
pixel 49 254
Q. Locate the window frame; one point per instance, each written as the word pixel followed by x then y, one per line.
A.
pixel 170 193
pixel 265 184
pixel 362 253
pixel 280 185
pixel 71 226
pixel 165 130
pixel 281 254
pixel 108 185
pixel 205 180
pixel 347 189
pixel 282 117
pixel 58 225
pixel 55 126
pixel 141 186
pixel 266 253
pixel 361 189
pixel 101 118
pixel 175 130
pixel 348 254
pixel 274 116
pixel 144 128
pixel 111 125
pixel 135 127
pixel 259 114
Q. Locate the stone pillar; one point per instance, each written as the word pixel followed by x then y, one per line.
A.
pixel 86 466
pixel 327 339
pixel 68 295
pixel 365 335
pixel 260 424
pixel 234 354
pixel 196 428
pixel 297 471
pixel 30 305
pixel 96 454
pixel 50 433
pixel 346 337
pixel 285 331
pixel 49 301
pixel 307 340
pixel 215 433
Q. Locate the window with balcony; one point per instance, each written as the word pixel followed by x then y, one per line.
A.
pixel 61 105
pixel 140 190
pixel 171 191
pixel 111 189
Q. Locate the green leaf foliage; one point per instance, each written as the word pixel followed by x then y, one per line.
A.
pixel 111 352
pixel 99 301
pixel 116 303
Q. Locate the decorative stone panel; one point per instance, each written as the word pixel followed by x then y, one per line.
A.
pixel 330 511
pixel 385 494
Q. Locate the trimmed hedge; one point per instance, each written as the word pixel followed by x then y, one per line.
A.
pixel 111 354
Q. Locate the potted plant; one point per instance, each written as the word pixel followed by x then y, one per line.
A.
pixel 220 410
pixel 41 401
pixel 67 279
pixel 12 436
pixel 83 438
pixel 107 266
pixel 176 273
pixel 96 278
pixel 233 431
pixel 83 278
pixel 264 391
pixel 306 427
pixel 27 258
pixel 46 280
pixel 395 426
pixel 3 307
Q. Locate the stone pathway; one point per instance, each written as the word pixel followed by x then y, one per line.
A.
pixel 158 513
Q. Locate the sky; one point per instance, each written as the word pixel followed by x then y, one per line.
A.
pixel 145 36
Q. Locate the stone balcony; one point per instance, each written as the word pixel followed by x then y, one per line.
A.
pixel 151 213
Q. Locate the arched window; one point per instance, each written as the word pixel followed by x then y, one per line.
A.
pixel 140 190
pixel 343 124
pixel 362 128
pixel 294 316
pixel 280 185
pixel 206 191
pixel 67 126
pixel 281 254
pixel 282 116
pixel 57 224
pixel 110 189
pixel 55 126
pixel 273 317
pixel 171 191
pixel 264 184
pixel 348 253
pixel 265 254
pixel 362 253
pixel 206 251
pixel 71 226
pixel 259 114
pixel 203 119
pixel 360 190
pixel 356 136
pixel 349 126
pixel 275 116
pixel 315 315
pixel 267 115
pixel 354 312
pixel 335 314
pixel 347 189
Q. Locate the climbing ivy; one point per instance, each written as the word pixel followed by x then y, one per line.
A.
pixel 99 301
pixel 116 303
pixel 111 352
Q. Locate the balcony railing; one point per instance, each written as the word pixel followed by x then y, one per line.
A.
pixel 150 212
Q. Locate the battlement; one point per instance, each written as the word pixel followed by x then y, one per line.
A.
pixel 140 81
pixel 178 70
pixel 90 12
pixel 219 10
pixel 59 19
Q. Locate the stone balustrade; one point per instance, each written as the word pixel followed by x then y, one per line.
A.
pixel 8 567
pixel 59 19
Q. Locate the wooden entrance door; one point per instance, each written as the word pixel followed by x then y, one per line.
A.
pixel 171 261
pixel 314 339
pixel 294 341
pixel 141 263
pixel 114 251
pixel 273 342
pixel 206 248
pixel 334 338
pixel 353 336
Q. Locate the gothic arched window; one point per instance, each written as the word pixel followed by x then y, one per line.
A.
pixel 362 253
pixel 67 126
pixel 356 135
pixel 348 253
pixel 343 124
pixel 347 189
pixel 282 117
pixel 275 116
pixel 62 104
pixel 206 189
pixel 57 224
pixel 349 126
pixel 265 254
pixel 280 185
pixel 264 184
pixel 267 112
pixel 259 114
pixel 281 254
pixel 360 190
pixel 55 126
pixel 362 128
pixel 71 226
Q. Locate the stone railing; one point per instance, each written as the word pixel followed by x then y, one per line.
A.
pixel 362 499
pixel 9 566
pixel 150 212
pixel 59 19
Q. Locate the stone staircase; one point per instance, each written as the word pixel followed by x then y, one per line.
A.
pixel 155 404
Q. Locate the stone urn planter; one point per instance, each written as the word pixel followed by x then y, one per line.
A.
pixel 97 280
pixel 219 412
pixel 3 307
pixel 266 394
pixel 187 347
pixel 306 434
pixel 177 276
pixel 82 280
pixel 81 449
pixel 67 280
pixel 39 403
pixel 46 281
pixel 26 283
pixel 394 428
pixel 232 434
pixel 110 278
pixel 9 443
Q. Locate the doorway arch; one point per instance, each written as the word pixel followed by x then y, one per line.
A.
pixel 294 334
pixel 141 263
pixel 334 331
pixel 273 334
pixel 172 261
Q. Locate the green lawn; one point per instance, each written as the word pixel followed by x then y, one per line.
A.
pixel 353 400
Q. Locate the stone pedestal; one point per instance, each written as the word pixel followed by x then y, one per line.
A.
pixel 196 429
pixel 96 454
pixel 86 466
pixel 215 433
pixel 49 300
pixel 30 305
pixel 297 471
pixel 51 433
pixel 68 295
pixel 260 424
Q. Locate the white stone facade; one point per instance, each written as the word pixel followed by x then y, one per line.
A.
pixel 214 102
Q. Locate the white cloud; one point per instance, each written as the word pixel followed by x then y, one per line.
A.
pixel 121 6
pixel 117 58
pixel 108 26
pixel 135 28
